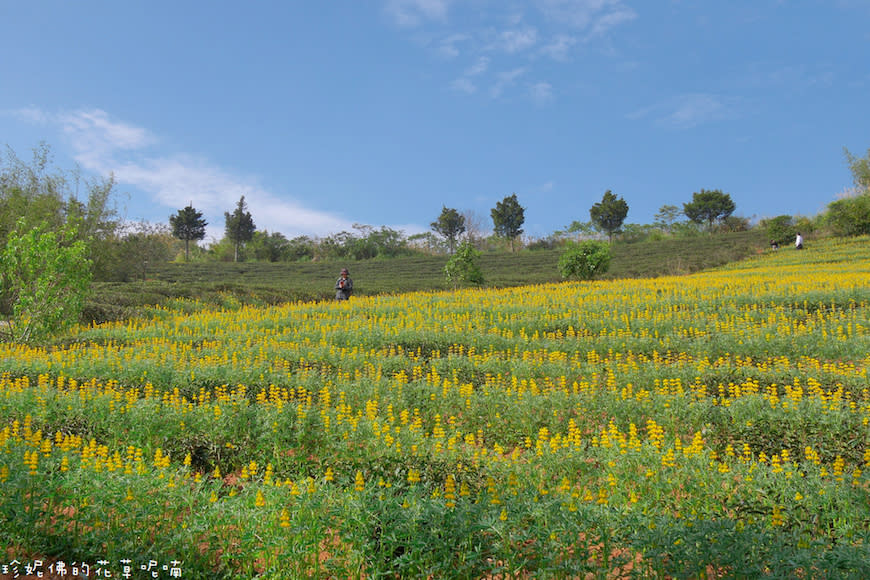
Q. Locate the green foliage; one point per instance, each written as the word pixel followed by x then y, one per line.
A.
pixel 450 224
pixel 146 245
pixel 666 217
pixel 850 216
pixel 44 278
pixel 585 260
pixel 367 243
pixel 269 247
pixel 239 227
pixel 188 224
pixel 609 213
pixel 734 223
pixel 507 218
pixel 463 267
pixel 860 168
pixel 38 194
pixel 709 206
pixel 780 229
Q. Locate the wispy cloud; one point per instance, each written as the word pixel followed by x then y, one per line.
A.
pixel 449 46
pixel 541 92
pixel 478 67
pixel 465 83
pixel 595 16
pixel 559 46
pixel 104 145
pixel 515 40
pixel 504 80
pixel 410 13
pixel 514 35
pixel 690 110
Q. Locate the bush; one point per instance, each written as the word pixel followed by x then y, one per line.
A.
pixel 779 229
pixel 585 260
pixel 850 216
pixel 44 278
pixel 463 267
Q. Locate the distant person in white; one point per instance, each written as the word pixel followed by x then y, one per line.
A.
pixel 799 241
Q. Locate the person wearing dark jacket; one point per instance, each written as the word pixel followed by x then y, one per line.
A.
pixel 343 286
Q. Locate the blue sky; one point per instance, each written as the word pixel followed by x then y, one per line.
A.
pixel 325 114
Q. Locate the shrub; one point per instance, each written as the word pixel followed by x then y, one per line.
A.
pixel 43 282
pixel 585 260
pixel 850 216
pixel 779 229
pixel 463 267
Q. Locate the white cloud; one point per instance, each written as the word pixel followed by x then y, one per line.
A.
pixel 559 46
pixel 517 40
pixel 107 146
pixel 448 46
pixel 463 85
pixel 410 13
pixel 29 114
pixel 506 79
pixel 690 110
pixel 478 67
pixel 695 109
pixel 541 92
pixel 612 20
pixel 596 16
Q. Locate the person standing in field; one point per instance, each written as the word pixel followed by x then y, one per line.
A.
pixel 799 241
pixel 343 286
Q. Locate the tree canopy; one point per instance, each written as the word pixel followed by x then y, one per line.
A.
pixel 450 224
pixel 860 168
pixel 188 224
pixel 609 213
pixel 507 218
pixel 709 206
pixel 239 227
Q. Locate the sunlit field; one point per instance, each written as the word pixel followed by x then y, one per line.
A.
pixel 710 425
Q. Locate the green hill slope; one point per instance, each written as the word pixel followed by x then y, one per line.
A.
pixel 260 282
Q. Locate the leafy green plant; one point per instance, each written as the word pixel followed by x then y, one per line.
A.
pixel 780 229
pixel 585 260
pixel 463 266
pixel 44 279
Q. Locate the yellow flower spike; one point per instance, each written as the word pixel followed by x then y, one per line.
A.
pixel 777 519
pixel 216 473
pixel 213 497
pixel 260 501
pixel 359 482
pixel 284 518
pixel 503 516
pixel 187 460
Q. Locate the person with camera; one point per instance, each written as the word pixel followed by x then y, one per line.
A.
pixel 343 286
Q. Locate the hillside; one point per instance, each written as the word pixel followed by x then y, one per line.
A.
pixel 273 283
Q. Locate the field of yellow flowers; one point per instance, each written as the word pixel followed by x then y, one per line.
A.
pixel 711 425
